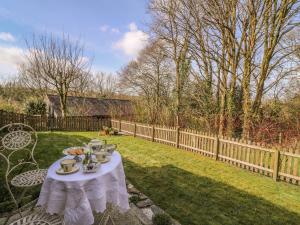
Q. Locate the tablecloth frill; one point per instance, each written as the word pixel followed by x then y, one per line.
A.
pixel 77 200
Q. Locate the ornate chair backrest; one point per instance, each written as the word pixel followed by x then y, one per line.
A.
pixel 17 144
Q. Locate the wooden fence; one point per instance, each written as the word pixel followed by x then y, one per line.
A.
pixel 283 164
pixel 44 123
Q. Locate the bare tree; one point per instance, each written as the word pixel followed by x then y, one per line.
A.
pixel 55 63
pixel 243 40
pixel 167 25
pixel 104 85
pixel 150 77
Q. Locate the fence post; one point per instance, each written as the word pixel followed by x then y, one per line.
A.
pixel 280 138
pixel 276 164
pixel 134 131
pixel 216 147
pixel 177 136
pixel 153 133
pixel 120 125
pixel 1 118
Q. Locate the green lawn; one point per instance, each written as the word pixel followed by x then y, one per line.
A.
pixel 193 189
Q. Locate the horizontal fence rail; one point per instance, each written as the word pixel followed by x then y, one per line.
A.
pixel 279 164
pixel 44 123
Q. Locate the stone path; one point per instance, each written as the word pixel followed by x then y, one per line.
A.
pixel 141 211
pixel 143 207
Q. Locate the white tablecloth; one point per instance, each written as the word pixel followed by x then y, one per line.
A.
pixel 77 195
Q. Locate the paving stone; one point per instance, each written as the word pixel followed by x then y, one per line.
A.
pixel 140 215
pixel 127 218
pixel 133 190
pixel 156 210
pixel 148 212
pixel 144 203
pixel 142 196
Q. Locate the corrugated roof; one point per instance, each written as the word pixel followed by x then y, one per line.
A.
pixel 92 106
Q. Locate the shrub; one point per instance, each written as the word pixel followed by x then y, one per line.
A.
pixel 161 219
pixel 36 107
pixel 109 131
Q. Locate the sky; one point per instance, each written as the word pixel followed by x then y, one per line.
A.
pixel 112 31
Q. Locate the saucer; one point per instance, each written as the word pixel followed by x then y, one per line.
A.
pixel 60 171
pixel 93 170
pixel 104 161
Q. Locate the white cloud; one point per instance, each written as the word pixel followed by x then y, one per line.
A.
pixel 4 36
pixel 115 30
pixel 10 58
pixel 104 28
pixel 132 27
pixel 132 41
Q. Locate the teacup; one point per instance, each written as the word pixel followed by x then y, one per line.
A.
pixel 67 164
pixel 100 156
pixel 110 149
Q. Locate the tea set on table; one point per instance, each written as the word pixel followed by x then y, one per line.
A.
pixel 90 157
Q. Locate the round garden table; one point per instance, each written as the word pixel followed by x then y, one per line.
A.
pixel 77 195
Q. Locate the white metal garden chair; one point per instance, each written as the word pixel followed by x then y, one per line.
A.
pixel 17 145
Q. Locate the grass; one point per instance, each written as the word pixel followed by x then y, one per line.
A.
pixel 193 189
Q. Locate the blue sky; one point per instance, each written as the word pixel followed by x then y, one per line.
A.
pixel 113 31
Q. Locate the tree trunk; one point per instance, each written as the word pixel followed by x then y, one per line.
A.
pixel 63 104
pixel 178 94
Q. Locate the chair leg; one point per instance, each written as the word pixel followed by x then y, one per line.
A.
pixel 17 206
pixel 8 217
pixel 32 207
pixel 11 214
pixel 21 197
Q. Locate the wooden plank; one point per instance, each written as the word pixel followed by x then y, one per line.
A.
pixel 245 163
pixel 128 132
pixel 196 149
pixel 163 128
pixel 239 153
pixel 289 164
pixel 146 126
pixel 296 167
pixel 251 156
pixel 221 148
pixel 276 156
pixel 141 135
pixel 290 154
pixel 125 122
pixel 200 135
pixel 246 145
pixel 231 152
pixel 153 133
pixel 261 159
pixel 283 163
pixel 289 176
pixel 234 152
pixel 244 154
pixel 216 147
pixel 163 140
